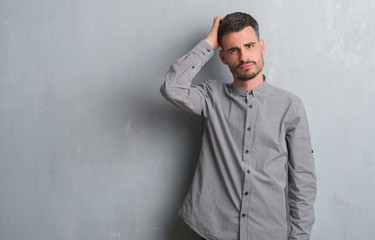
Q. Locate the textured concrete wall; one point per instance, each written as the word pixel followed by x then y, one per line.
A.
pixel 90 150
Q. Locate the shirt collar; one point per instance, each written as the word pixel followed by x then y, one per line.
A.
pixel 255 92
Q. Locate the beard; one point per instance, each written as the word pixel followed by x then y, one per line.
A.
pixel 248 74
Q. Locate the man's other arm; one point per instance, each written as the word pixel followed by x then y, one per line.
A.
pixel 302 178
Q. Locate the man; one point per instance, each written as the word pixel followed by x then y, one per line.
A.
pixel 256 140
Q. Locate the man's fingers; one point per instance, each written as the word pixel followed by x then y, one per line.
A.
pixel 212 36
pixel 217 20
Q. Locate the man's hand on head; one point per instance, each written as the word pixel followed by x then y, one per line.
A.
pixel 212 36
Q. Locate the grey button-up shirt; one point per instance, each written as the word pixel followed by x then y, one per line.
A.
pixel 254 142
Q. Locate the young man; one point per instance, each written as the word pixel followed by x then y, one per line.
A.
pixel 256 140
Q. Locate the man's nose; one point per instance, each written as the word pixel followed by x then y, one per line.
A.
pixel 244 56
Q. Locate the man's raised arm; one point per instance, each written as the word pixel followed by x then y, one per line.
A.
pixel 177 85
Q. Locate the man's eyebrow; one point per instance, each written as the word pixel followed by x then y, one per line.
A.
pixel 237 48
pixel 249 43
pixel 233 48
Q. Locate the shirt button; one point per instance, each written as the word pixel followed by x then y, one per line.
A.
pixel 248 129
pixel 248 170
pixel 208 50
pixel 193 67
pixel 247 151
pixel 250 106
pixel 246 193
pixel 243 215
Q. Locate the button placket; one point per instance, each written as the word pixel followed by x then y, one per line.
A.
pixel 247 155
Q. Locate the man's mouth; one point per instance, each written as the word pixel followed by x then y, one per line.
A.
pixel 246 65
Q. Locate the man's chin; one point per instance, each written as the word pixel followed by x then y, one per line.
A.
pixel 247 77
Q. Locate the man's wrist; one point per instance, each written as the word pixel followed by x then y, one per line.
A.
pixel 208 44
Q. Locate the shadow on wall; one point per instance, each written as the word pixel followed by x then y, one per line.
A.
pixel 172 138
pixel 176 140
pixel 176 228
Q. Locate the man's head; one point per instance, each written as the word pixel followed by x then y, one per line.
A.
pixel 235 22
pixel 241 48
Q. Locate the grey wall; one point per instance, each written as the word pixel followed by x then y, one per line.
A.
pixel 90 150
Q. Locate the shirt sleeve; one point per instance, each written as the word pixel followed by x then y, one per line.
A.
pixel 301 174
pixel 177 86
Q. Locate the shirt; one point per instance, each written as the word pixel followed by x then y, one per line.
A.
pixel 254 143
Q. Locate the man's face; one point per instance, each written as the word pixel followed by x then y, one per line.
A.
pixel 243 53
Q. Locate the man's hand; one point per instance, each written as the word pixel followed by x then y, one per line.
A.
pixel 212 36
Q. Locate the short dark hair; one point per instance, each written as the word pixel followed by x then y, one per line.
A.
pixel 235 22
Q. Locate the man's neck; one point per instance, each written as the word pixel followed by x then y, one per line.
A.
pixel 252 83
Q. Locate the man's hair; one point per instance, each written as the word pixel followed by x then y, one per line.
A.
pixel 235 22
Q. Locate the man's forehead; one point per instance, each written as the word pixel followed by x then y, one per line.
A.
pixel 248 32
pixel 243 36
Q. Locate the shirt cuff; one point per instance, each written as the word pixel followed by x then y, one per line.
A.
pixel 204 50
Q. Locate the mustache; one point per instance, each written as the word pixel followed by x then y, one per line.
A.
pixel 244 63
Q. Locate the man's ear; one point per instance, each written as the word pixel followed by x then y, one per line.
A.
pixel 222 57
pixel 262 46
